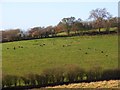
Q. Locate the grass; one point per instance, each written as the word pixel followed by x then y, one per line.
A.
pixel 86 51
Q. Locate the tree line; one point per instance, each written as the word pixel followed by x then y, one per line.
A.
pixel 98 19
pixel 59 76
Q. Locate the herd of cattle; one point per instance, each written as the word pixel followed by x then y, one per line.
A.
pixel 65 45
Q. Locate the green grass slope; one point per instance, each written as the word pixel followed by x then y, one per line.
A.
pixel 33 56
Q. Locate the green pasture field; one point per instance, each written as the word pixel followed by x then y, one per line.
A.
pixel 32 56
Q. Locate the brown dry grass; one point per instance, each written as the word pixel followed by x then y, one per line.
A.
pixel 99 84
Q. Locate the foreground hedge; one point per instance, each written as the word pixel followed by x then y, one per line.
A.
pixel 59 75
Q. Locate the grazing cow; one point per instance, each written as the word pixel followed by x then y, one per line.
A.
pixel 63 45
pixel 101 51
pixel 86 53
pixel 106 55
pixel 7 48
pixel 41 45
pixel 14 48
pixel 66 45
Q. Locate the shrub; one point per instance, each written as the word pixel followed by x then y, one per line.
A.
pixel 25 80
pixel 53 75
pixel 41 80
pixel 44 79
pixel 48 73
pixel 38 79
pixel 111 74
pixel 15 80
pixel 117 73
pixel 73 73
pixel 58 75
pixel 81 73
pixel 32 79
pixel 94 73
pixel 9 80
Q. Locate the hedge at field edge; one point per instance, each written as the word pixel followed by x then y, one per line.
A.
pixel 60 75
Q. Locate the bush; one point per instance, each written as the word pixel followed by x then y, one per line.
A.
pixel 58 75
pixel 81 73
pixel 25 80
pixel 41 80
pixel 44 79
pixel 94 73
pixel 32 79
pixel 73 73
pixel 117 73
pixel 15 80
pixel 48 74
pixel 38 79
pixel 9 80
pixel 111 74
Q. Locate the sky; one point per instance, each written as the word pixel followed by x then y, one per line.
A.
pixel 25 15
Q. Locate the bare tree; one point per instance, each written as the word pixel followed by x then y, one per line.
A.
pixel 99 15
pixel 77 26
pixel 35 32
pixel 59 28
pixel 11 35
pixel 68 23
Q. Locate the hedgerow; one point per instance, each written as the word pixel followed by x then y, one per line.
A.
pixel 60 75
